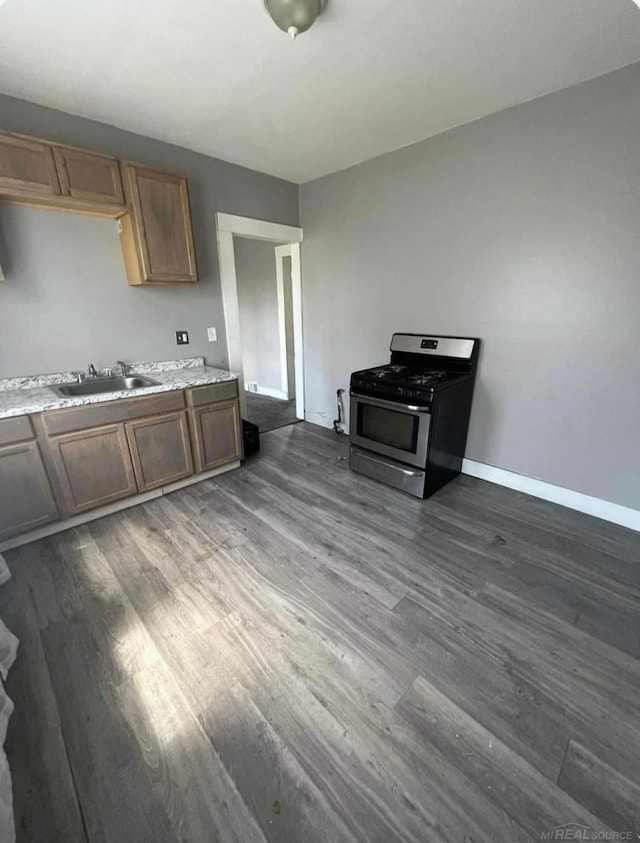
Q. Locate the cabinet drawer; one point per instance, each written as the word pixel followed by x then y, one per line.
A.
pixel 15 430
pixel 111 412
pixel 200 395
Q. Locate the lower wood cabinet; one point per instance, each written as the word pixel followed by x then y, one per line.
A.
pixel 26 500
pixel 216 433
pixel 60 463
pixel 160 449
pixel 93 467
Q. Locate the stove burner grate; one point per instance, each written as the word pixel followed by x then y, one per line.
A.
pixel 396 373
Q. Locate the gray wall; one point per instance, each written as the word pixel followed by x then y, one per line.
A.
pixel 258 303
pixel 523 229
pixel 66 301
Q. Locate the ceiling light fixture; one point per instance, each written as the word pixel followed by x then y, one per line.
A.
pixel 294 16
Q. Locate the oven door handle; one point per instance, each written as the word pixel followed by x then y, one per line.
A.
pixel 395 405
pixel 407 471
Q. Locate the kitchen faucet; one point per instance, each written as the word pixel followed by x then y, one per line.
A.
pixel 124 367
pixel 92 371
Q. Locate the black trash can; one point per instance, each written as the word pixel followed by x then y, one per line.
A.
pixel 251 437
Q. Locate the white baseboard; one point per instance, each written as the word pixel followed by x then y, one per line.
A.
pixel 597 507
pixel 126 503
pixel 608 511
pixel 272 393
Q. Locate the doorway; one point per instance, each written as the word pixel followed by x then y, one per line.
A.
pixel 261 292
pixel 263 276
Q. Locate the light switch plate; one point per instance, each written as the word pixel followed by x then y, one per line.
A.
pixel 182 337
pixel 212 334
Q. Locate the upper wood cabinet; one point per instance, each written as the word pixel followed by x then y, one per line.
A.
pixel 152 206
pixel 27 167
pixel 157 237
pixel 88 175
pixel 45 175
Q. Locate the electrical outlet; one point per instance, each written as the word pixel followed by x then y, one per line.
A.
pixel 182 337
pixel 212 334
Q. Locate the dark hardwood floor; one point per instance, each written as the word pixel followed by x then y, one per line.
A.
pixel 269 413
pixel 292 652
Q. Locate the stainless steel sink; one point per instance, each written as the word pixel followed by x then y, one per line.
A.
pixel 96 386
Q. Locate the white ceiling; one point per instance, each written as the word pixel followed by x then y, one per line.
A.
pixel 217 76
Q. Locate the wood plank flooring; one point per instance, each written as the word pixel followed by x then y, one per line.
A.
pixel 292 652
pixel 269 413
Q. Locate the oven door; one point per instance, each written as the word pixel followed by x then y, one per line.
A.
pixel 399 431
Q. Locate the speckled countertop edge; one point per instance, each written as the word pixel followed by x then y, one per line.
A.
pixel 143 368
pixel 34 395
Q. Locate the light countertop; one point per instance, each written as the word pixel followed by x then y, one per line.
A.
pixel 22 396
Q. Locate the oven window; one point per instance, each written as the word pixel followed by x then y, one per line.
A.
pixel 388 427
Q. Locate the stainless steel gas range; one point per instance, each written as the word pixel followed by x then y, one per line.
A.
pixel 408 420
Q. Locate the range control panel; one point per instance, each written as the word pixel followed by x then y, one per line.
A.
pixel 462 348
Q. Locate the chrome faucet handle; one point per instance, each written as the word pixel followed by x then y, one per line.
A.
pixel 79 376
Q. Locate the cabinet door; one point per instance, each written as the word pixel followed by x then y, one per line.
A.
pixel 27 168
pixel 93 467
pixel 26 500
pixel 217 436
pixel 88 175
pixel 160 449
pixel 157 236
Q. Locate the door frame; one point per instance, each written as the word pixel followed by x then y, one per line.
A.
pixel 228 225
pixel 282 252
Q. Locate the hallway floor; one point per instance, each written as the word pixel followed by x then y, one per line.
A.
pixel 269 413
